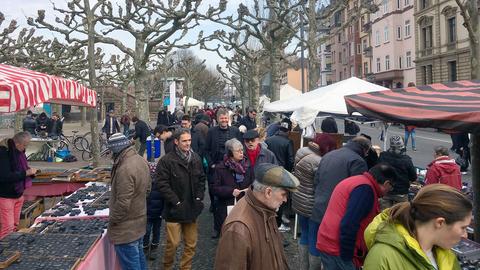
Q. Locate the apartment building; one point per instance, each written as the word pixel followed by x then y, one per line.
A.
pixel 441 41
pixel 346 55
pixel 393 44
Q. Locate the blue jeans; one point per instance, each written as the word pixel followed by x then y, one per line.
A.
pixel 308 237
pixel 335 263
pixel 130 255
pixel 153 227
pixel 410 134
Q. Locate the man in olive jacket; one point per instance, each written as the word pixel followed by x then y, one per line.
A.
pixel 181 181
pixel 128 202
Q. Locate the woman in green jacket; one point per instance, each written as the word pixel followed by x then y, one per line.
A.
pixel 418 235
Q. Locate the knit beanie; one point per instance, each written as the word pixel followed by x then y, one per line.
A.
pixel 396 142
pixel 117 142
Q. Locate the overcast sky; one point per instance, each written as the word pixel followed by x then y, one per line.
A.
pixel 20 9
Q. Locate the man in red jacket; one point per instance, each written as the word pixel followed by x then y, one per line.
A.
pixel 443 170
pixel 353 205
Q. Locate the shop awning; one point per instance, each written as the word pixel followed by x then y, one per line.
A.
pixel 22 88
pixel 450 106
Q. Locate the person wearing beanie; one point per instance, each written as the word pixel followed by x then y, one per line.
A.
pixel 128 202
pixel 250 238
pixel 396 157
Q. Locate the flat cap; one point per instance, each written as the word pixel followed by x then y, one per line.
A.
pixel 250 134
pixel 276 176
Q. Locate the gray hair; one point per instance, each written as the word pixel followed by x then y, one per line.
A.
pixel 221 111
pixel 441 150
pixel 232 145
pixel 259 187
pixel 179 132
pixel 22 137
pixel 363 142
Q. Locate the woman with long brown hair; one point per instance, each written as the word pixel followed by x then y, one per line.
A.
pixel 419 234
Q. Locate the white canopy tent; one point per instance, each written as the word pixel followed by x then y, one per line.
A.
pixel 286 92
pixel 193 102
pixel 329 99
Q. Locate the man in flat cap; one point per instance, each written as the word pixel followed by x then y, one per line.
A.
pixel 250 236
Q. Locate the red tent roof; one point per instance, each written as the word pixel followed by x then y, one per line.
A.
pixel 22 88
pixel 453 105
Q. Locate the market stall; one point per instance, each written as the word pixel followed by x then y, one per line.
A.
pixel 448 106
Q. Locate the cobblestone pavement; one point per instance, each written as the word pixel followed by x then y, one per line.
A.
pixel 206 246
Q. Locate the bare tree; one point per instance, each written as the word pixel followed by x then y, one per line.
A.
pixel 209 84
pixel 273 32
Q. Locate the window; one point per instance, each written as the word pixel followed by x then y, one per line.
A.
pixel 399 32
pixel 359 48
pixel 426 37
pixel 407 2
pixel 377 38
pixel 387 62
pixel 409 59
pixel 452 30
pixel 352 71
pixel 339 37
pixel 399 4
pixel 364 44
pixel 427 74
pixel 407 28
pixel 452 71
pixel 385 33
pixel 378 65
pixel 365 68
pixel 423 4
pixel 341 76
pixel 400 64
pixel 385 6
pixel 339 57
pixel 359 71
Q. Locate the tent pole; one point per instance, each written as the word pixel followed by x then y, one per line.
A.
pixel 295 226
pixel 475 168
pixel 385 135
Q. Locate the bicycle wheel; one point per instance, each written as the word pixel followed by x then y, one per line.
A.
pixel 87 155
pixel 81 144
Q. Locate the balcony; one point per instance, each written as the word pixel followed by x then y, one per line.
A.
pixel 425 52
pixel 368 51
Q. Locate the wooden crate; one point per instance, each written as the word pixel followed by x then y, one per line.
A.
pixel 29 214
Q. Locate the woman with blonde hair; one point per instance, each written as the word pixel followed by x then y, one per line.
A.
pixel 419 234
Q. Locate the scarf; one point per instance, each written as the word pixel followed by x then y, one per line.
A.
pixel 253 154
pixel 237 167
pixel 184 156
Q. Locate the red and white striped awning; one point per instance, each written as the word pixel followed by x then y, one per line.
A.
pixel 22 88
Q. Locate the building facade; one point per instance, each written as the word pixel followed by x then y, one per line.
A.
pixel 393 44
pixel 441 41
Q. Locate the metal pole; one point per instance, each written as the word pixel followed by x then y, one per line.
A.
pixel 302 54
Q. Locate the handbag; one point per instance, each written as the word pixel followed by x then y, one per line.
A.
pixel 230 207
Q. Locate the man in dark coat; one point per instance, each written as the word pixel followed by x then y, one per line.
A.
pixel 142 131
pixel 249 120
pixel 154 218
pixel 55 126
pixel 167 144
pixel 282 146
pixel 334 167
pixel 215 145
pixel 181 182
pixel 29 123
pixel 111 125
pixel 42 124
pixel 163 118
pixel 396 157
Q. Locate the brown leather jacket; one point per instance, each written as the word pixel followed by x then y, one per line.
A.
pixel 250 238
pixel 128 203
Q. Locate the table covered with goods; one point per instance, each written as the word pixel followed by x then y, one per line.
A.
pixel 70 235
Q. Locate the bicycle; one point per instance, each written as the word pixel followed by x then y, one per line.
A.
pixel 104 152
pixel 48 149
pixel 80 143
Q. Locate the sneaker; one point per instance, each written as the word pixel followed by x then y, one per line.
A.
pixel 414 149
pixel 284 228
pixel 285 220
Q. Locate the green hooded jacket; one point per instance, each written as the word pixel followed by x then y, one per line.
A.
pixel 391 247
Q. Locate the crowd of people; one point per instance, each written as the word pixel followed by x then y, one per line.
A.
pixel 351 200
pixel 42 125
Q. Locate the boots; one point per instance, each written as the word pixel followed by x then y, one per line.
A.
pixel 304 254
pixel 314 262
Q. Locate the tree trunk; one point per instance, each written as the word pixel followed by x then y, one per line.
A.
pixel 141 81
pixel 313 45
pixel 18 122
pixel 275 74
pixel 83 115
pixel 475 150
pixel 255 86
pixel 123 105
pixel 95 143
pixel 103 108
